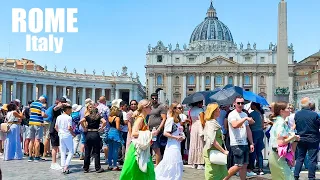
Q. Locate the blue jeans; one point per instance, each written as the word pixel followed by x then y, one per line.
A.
pixel 113 152
pixel 257 137
pixel 312 149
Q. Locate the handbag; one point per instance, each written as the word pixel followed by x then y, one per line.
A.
pixel 5 127
pixel 217 157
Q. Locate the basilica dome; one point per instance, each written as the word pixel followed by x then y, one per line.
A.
pixel 211 29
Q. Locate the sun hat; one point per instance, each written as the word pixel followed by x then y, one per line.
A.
pixel 76 107
pixel 116 103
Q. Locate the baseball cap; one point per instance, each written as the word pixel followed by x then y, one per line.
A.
pixel 45 97
pixel 63 100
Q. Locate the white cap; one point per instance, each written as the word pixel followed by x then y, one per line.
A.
pixel 116 103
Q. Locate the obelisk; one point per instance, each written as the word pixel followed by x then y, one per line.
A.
pixel 282 75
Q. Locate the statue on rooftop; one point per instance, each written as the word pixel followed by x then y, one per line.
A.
pixel 131 74
pixel 65 69
pixel 254 46
pixel 124 71
pixel 103 73
pixel 149 47
pixel 170 47
pixel 112 74
pixel 185 47
pixel 34 66
pixel 55 68
pixel 45 67
pixel 25 65
pixel 74 70
pixel 241 46
pixel 84 71
pixel 5 62
pixel 94 72
pixel 177 46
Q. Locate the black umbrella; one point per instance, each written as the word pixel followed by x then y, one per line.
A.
pixel 226 96
pixel 198 96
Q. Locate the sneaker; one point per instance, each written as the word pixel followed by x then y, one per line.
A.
pixel 55 166
pixel 260 172
pixel 100 170
pixel 30 159
pixel 38 159
pixel 200 167
pixel 249 174
pixel 194 166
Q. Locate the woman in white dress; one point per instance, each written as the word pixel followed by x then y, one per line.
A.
pixel 171 166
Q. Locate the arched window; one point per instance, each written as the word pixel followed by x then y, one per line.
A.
pixel 191 79
pixel 207 80
pixel 230 80
pixel 218 79
pixel 262 80
pixel 247 79
pixel 177 80
pixel 159 80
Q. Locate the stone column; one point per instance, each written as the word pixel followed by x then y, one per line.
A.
pixel 4 92
pixel 83 95
pixel 54 94
pixel 151 84
pixel 235 79
pixel 74 95
pixel 184 86
pixel 270 87
pixel 197 82
pixel 131 94
pixel 34 91
pixel 44 89
pixel 226 79
pixel 24 94
pixel 203 82
pixel 14 90
pixel 254 82
pixel 241 79
pixel 93 94
pixel 169 87
pixel 64 91
pixel 112 94
pixel 212 82
pixel 103 92
pixel 117 93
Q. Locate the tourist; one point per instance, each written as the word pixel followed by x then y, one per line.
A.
pixel 133 107
pixel 54 136
pixel 37 113
pixel 184 121
pixel 75 115
pixel 26 114
pixel 157 119
pixel 123 128
pixel 47 122
pixel 12 144
pixel 114 139
pixel 195 157
pixel 3 113
pixel 213 141
pixel 90 124
pixel 84 112
pixel 65 131
pixel 281 137
pixel 104 111
pixel 257 136
pixel 141 137
pixel 171 166
pixel 307 126
pixel 239 132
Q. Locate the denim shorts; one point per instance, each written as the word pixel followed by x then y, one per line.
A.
pixel 83 138
pixel 240 154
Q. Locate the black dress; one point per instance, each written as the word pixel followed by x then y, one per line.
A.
pixel 93 144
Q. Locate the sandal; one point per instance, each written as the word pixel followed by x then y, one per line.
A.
pixel 66 171
pixel 116 169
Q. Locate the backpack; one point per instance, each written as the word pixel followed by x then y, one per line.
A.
pixel 26 114
pixel 76 122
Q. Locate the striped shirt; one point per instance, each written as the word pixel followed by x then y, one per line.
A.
pixel 36 109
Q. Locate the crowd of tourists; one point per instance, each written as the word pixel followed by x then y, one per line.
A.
pixel 154 140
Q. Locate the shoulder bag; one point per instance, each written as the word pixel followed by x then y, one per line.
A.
pixel 217 157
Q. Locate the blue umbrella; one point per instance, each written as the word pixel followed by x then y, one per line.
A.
pixel 250 96
pixel 227 95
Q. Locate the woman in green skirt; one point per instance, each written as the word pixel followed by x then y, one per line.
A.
pixel 280 135
pixel 213 141
pixel 130 169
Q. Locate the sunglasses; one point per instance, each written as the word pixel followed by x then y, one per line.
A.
pixel 132 104
pixel 154 98
pixel 179 107
pixel 240 103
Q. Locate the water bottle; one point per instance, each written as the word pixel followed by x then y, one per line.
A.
pixel 154 138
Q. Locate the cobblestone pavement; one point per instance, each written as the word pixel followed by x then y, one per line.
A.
pixel 23 170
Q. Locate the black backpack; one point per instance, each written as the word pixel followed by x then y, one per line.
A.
pixel 26 118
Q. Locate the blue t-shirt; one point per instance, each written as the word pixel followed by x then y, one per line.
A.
pixel 256 116
pixel 49 113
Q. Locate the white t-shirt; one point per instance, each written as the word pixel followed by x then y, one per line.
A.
pixel 124 128
pixel 63 122
pixel 183 117
pixel 238 136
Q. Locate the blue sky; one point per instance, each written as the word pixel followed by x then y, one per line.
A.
pixel 117 33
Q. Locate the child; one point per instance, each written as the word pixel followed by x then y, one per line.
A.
pixel 64 128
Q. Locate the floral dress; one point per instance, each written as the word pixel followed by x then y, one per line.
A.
pixel 278 166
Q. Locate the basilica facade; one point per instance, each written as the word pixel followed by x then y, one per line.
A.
pixel 213 59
